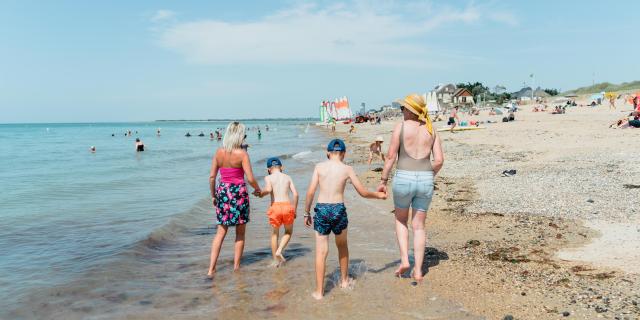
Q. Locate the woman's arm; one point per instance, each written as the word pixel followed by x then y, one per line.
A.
pixel 213 174
pixel 248 171
pixel 438 155
pixel 390 160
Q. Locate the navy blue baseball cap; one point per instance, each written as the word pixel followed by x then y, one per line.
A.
pixel 273 161
pixel 336 145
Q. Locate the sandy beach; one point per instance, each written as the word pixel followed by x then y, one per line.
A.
pixel 558 239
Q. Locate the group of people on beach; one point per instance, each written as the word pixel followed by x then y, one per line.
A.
pixel 413 145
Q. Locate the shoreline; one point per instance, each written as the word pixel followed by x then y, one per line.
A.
pixel 512 262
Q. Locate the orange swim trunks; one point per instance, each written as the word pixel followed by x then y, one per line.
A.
pixel 281 213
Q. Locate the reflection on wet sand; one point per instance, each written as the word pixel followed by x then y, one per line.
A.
pixel 165 277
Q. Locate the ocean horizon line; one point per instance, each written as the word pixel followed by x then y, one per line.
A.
pixel 162 120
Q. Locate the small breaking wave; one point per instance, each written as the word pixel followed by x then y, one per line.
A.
pixel 302 154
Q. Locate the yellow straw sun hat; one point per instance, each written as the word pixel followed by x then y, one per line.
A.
pixel 416 104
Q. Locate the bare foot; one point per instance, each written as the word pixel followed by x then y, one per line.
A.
pixel 280 258
pixel 417 276
pixel 348 284
pixel 210 274
pixel 317 296
pixel 402 268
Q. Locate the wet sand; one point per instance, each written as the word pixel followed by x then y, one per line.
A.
pixel 540 254
pixel 484 259
pixel 164 277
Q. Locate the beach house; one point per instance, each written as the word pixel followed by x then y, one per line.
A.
pixel 463 97
pixel 449 95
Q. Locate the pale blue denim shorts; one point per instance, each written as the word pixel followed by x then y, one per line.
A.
pixel 413 189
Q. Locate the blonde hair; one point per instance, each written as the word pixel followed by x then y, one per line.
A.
pixel 234 136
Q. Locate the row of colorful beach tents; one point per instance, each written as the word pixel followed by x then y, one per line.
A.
pixel 338 109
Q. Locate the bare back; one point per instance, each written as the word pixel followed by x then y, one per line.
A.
pixel 280 186
pixel 417 140
pixel 332 179
pixel 231 159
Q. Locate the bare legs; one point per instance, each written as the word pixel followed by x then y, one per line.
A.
pixel 275 233
pixel 276 250
pixel 402 234
pixel 322 250
pixel 419 241
pixel 239 246
pixel 321 258
pixel 371 158
pixel 343 257
pixel 216 244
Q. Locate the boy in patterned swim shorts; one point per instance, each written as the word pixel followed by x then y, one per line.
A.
pixel 330 213
pixel 281 212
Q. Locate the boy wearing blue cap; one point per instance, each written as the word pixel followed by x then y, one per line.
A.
pixel 330 213
pixel 281 212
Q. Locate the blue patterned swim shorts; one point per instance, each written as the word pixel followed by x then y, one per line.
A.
pixel 330 217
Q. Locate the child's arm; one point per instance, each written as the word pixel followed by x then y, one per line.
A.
pixel 362 191
pixel 294 192
pixel 311 192
pixel 267 188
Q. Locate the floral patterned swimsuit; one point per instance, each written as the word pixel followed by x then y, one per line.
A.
pixel 232 198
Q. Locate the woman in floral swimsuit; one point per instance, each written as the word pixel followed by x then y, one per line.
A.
pixel 230 196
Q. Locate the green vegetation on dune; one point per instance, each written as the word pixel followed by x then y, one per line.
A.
pixel 606 87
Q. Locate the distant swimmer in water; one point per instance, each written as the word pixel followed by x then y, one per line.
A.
pixel 92 149
pixel 113 134
pixel 139 145
pixel 211 136
pixel 158 132
pixel 259 134
pixel 266 127
pixel 201 134
pixel 188 134
pixel 219 134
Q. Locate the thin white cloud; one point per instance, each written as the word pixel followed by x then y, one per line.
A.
pixel 504 17
pixel 161 15
pixel 357 33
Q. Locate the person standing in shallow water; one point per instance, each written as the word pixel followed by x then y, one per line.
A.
pixel 413 142
pixel 230 196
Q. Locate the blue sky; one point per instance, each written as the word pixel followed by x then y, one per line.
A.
pixel 71 61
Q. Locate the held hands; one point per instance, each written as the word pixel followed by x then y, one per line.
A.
pixel 382 195
pixel 308 222
pixel 382 187
pixel 257 193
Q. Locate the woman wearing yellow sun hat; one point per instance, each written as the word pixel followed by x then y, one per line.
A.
pixel 413 145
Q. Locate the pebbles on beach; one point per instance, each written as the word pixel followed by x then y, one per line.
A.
pixel 502 233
